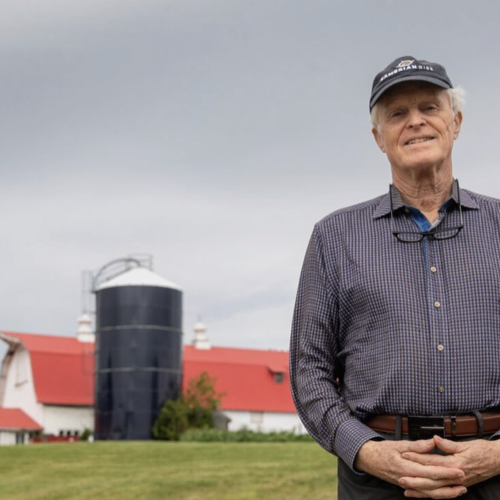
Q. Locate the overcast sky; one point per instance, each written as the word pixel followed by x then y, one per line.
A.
pixel 211 134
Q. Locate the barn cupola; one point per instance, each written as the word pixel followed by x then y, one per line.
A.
pixel 200 340
pixel 85 332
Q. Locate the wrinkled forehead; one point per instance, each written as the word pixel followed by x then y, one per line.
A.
pixel 410 92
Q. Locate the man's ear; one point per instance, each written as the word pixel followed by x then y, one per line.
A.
pixel 458 123
pixel 378 139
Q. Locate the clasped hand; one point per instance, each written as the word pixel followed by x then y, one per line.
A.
pixel 411 465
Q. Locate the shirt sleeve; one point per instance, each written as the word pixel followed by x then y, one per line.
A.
pixel 313 349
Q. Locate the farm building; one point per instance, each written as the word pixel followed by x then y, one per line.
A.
pixel 51 379
pixel 16 427
pixel 49 382
pixel 255 383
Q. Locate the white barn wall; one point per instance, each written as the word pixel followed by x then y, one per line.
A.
pixel 67 418
pixel 264 421
pixel 7 438
pixel 19 389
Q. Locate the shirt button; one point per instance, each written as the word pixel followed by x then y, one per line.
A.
pixel 440 347
pixel 437 304
pixel 433 269
pixel 407 210
pixel 441 388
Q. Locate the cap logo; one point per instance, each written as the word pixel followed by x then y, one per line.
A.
pixel 405 63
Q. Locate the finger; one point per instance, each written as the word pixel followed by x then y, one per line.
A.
pixel 425 484
pixel 448 446
pixel 415 494
pixel 446 492
pixel 434 460
pixel 436 473
pixel 420 446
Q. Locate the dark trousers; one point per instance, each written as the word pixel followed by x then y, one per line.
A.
pixel 352 486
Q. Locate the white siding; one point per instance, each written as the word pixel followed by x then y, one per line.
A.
pixel 67 418
pixel 264 422
pixel 19 391
pixel 7 438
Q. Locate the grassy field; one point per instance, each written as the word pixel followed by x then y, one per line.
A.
pixel 163 470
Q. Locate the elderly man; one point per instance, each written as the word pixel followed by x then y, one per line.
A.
pixel 395 347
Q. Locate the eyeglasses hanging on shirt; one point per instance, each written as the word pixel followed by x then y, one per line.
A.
pixel 444 233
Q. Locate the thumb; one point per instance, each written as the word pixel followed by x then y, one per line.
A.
pixel 447 446
pixel 421 446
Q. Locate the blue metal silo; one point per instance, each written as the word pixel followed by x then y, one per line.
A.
pixel 138 351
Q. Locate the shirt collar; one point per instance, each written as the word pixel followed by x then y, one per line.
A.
pixel 384 207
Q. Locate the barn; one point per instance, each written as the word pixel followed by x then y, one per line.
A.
pixel 51 379
pixel 16 427
pixel 47 383
pixel 254 383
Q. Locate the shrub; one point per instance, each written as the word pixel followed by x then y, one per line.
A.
pixel 192 410
pixel 242 436
pixel 202 400
pixel 172 421
pixel 85 434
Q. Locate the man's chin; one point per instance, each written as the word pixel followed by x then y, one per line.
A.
pixel 423 163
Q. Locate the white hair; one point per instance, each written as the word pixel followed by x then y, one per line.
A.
pixel 457 98
pixel 457 101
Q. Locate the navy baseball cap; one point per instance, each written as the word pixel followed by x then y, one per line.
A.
pixel 406 69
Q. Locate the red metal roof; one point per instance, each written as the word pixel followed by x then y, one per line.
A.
pixel 63 368
pixel 16 419
pixel 246 376
pixel 63 371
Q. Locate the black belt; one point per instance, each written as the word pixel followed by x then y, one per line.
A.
pixel 476 424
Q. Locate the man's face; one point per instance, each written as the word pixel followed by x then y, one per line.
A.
pixel 416 126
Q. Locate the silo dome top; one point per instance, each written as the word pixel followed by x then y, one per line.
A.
pixel 138 276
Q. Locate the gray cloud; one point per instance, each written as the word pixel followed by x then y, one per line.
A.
pixel 209 134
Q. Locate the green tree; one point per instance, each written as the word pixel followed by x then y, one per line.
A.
pixel 192 410
pixel 172 420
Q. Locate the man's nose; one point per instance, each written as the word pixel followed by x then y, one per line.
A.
pixel 415 118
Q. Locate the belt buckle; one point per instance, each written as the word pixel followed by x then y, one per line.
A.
pixel 425 427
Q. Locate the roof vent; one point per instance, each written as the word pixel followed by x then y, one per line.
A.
pixel 200 340
pixel 84 332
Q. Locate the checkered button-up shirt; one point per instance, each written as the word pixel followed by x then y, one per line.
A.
pixel 386 327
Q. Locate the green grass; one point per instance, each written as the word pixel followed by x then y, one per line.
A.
pixel 166 470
